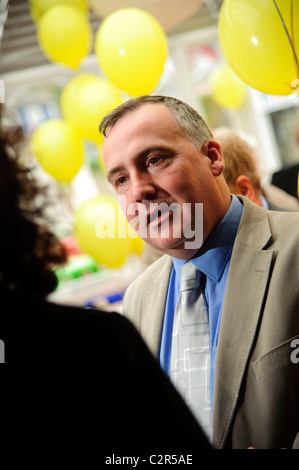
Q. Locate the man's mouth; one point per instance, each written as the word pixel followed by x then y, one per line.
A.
pixel 153 219
pixel 157 216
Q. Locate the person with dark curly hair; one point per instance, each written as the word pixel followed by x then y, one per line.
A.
pixel 28 250
pixel 82 378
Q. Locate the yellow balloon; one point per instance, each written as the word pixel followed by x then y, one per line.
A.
pixel 255 39
pixel 131 47
pixel 37 8
pixel 84 102
pixel 64 35
pixel 57 146
pixel 137 244
pixel 227 89
pixel 101 231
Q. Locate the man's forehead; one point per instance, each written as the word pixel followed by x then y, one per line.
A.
pixel 132 139
pixel 147 116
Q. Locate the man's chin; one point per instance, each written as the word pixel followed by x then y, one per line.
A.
pixel 165 245
pixel 177 248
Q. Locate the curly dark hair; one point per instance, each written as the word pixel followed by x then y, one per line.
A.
pixel 28 250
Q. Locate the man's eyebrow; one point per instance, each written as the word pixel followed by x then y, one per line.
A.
pixel 112 172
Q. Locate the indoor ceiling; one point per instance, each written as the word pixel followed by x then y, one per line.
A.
pixel 19 49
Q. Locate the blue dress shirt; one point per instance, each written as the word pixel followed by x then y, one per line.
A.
pixel 265 203
pixel 213 260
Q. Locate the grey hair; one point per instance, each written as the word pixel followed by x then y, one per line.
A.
pixel 189 121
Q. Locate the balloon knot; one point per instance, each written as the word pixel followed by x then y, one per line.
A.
pixel 295 85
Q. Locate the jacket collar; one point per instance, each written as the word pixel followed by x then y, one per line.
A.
pixel 245 292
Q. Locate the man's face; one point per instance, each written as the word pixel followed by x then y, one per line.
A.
pixel 151 164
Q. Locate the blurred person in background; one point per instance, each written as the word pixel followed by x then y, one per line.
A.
pixel 287 177
pixel 242 175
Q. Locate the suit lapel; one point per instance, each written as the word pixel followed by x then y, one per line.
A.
pixel 245 293
pixel 153 300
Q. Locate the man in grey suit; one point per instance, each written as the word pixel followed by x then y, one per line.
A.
pixel 159 152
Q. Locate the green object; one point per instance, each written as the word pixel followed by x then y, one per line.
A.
pixel 77 266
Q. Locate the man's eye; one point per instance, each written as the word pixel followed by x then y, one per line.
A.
pixel 121 180
pixel 153 160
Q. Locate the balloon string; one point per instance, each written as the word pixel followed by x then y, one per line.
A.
pixel 286 30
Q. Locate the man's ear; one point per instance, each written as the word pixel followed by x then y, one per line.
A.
pixel 244 186
pixel 214 153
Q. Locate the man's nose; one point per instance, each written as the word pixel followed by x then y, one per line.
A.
pixel 143 187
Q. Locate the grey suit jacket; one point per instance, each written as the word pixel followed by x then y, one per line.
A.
pixel 256 385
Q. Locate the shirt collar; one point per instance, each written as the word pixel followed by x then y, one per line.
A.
pixel 265 203
pixel 216 251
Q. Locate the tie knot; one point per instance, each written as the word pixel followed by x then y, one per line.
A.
pixel 190 276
